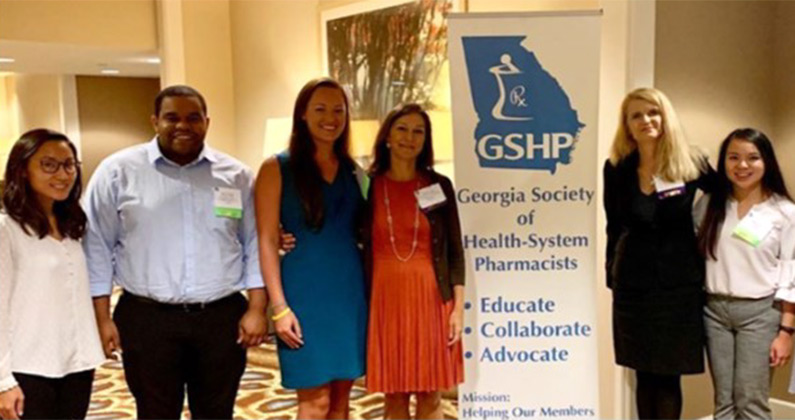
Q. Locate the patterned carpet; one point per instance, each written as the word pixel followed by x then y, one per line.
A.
pixel 260 396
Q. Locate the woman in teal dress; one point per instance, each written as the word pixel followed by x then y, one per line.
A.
pixel 317 291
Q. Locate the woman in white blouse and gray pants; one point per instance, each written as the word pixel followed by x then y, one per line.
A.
pixel 748 238
pixel 49 344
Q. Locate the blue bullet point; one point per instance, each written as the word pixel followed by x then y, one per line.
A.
pixel 468 330
pixel 467 305
pixel 468 355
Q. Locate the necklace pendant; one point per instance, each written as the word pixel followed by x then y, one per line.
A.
pixel 392 228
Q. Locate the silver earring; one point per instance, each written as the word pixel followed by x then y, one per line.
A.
pixel 388 146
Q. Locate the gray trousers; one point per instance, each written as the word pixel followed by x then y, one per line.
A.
pixel 739 334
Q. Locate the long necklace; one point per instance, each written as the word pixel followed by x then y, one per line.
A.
pixel 392 228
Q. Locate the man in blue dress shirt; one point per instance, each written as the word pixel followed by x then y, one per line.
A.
pixel 172 222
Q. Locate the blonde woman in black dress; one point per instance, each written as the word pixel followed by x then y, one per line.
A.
pixel 653 263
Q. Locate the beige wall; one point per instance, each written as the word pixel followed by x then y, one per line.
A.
pixel 8 113
pixel 8 119
pixel 529 6
pixel 727 65
pixel 114 114
pixel 196 49
pixel 208 66
pixel 275 49
pixel 83 22
pixel 718 78
pixel 784 92
pixel 38 101
pixel 613 388
pixel 784 131
pixel 714 60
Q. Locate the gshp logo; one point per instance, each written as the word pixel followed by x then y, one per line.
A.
pixel 525 116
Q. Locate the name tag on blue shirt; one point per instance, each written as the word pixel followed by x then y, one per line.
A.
pixel 228 202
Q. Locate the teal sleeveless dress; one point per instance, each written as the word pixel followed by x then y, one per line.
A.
pixel 324 285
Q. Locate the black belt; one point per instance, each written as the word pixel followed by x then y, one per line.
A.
pixel 184 307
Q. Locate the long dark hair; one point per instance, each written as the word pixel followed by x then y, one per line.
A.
pixel 20 201
pixel 772 183
pixel 381 157
pixel 308 180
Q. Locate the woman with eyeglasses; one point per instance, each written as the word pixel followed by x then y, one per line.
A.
pixel 49 344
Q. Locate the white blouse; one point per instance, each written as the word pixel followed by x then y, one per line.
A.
pixel 47 323
pixel 745 271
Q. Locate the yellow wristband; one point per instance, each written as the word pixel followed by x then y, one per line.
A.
pixel 281 314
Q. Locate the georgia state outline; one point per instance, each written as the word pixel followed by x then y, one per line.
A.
pixel 517 101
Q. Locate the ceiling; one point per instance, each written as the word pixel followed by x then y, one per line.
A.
pixel 50 58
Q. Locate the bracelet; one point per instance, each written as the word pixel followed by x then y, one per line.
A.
pixel 786 329
pixel 281 314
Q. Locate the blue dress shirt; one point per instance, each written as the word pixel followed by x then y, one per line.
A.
pixel 153 230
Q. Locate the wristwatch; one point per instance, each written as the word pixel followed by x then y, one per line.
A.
pixel 786 329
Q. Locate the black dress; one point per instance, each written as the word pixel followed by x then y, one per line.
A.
pixel 656 273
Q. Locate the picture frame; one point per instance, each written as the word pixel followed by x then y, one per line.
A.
pixel 386 52
pixel 430 75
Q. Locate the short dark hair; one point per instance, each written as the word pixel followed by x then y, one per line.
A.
pixel 181 91
pixel 19 199
pixel 381 156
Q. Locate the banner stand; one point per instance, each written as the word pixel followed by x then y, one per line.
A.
pixel 525 110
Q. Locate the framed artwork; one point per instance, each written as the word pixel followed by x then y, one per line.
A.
pixel 386 52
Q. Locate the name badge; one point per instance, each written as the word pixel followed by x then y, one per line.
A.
pixel 228 202
pixel 667 189
pixel 430 197
pixel 753 228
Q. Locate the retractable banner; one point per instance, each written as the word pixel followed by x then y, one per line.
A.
pixel 525 100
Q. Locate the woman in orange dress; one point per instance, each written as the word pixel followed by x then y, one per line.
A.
pixel 415 261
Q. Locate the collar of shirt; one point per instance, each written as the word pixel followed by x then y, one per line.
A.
pixel 154 154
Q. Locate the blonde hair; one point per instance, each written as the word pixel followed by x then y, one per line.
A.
pixel 676 159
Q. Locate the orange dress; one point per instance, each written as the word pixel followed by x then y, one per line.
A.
pixel 407 348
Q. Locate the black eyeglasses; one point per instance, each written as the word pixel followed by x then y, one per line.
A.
pixel 51 166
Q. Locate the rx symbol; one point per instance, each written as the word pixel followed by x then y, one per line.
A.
pixel 517 97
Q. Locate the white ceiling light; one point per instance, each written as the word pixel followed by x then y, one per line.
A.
pixel 6 60
pixel 152 60
pixel 110 71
